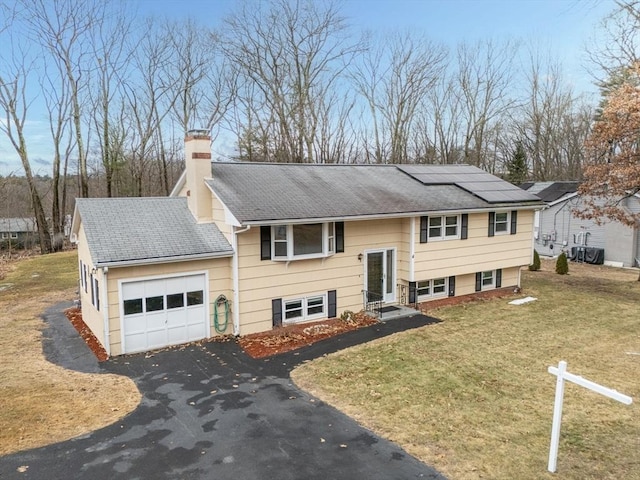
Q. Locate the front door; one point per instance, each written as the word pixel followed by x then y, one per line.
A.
pixel 380 275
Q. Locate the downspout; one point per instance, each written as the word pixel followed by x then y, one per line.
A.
pixel 412 250
pixel 105 309
pixel 236 280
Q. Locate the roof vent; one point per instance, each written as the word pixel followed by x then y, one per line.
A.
pixel 198 133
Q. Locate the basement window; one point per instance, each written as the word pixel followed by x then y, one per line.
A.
pixel 303 309
pixel 436 287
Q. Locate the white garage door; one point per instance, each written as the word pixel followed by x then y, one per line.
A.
pixel 163 311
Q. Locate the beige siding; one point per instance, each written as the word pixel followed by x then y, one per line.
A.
pixel 93 318
pixel 219 218
pixel 219 272
pixel 479 252
pixel 343 272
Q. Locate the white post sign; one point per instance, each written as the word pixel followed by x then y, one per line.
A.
pixel 562 374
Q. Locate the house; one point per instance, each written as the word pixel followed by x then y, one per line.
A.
pixel 557 228
pixel 17 233
pixel 239 248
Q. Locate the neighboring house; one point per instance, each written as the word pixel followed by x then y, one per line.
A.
pixel 240 248
pixel 17 233
pixel 557 228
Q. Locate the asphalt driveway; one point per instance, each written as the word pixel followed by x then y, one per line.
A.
pixel 211 412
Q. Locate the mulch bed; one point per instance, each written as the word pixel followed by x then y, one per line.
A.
pixel 75 317
pixel 257 345
pixel 291 337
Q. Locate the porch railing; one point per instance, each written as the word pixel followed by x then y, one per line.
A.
pixel 372 302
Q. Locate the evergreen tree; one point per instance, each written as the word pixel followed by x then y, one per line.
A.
pixel 535 266
pixel 562 266
pixel 517 169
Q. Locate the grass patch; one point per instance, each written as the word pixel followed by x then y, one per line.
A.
pixel 41 403
pixel 472 397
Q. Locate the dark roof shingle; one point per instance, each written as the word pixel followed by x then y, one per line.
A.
pixel 130 230
pixel 263 192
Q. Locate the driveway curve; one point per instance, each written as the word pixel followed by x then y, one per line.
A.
pixel 211 412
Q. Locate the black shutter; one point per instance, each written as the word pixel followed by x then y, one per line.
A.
pixel 413 292
pixel 339 231
pixel 492 224
pixel 332 302
pixel 276 312
pixel 498 278
pixel 424 229
pixel 452 286
pixel 478 281
pixel 265 242
pixel 514 222
pixel 464 229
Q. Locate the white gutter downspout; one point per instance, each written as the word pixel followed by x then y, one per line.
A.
pixel 236 281
pixel 412 249
pixel 105 310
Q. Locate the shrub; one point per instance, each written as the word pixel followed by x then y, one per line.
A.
pixel 535 266
pixel 562 266
pixel 347 316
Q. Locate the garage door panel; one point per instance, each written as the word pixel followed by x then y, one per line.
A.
pixel 167 319
pixel 135 324
pixel 132 290
pixel 177 317
pixel 157 339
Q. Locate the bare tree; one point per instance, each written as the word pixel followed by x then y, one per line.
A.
pixel 484 79
pixel 394 78
pixel 64 28
pixel 15 105
pixel 293 52
pixel 552 123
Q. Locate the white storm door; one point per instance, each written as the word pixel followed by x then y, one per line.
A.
pixel 380 274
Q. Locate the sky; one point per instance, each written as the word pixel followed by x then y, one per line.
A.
pixel 564 27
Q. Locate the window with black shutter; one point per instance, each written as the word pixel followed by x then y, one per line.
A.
pixel 339 237
pixel 265 242
pixel 424 229
pixel 332 300
pixel 452 286
pixel 492 224
pixel 514 222
pixel 276 312
pixel 464 227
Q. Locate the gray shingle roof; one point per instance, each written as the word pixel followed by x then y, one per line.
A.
pixel 17 225
pixel 141 230
pixel 262 192
pixel 552 191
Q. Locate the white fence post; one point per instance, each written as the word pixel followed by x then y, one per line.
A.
pixel 562 374
pixel 557 417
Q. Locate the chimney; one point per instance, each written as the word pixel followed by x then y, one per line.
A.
pixel 197 153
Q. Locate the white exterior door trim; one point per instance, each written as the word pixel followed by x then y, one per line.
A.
pixel 388 278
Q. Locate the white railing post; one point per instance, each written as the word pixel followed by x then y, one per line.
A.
pixel 557 418
pixel 562 374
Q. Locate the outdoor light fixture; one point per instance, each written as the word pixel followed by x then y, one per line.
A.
pixel 360 257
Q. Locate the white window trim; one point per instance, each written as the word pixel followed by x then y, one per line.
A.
pixel 431 294
pixel 507 223
pixel 13 235
pixel 493 280
pixel 304 301
pixel 443 226
pixel 326 244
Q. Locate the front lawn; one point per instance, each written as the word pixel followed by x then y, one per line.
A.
pixel 472 397
pixel 41 403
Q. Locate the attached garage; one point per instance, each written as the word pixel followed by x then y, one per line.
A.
pixel 158 312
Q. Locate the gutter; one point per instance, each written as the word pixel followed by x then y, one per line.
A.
pixel 377 216
pixel 236 281
pixel 152 261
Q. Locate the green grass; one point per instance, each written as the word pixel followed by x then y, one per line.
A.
pixel 472 395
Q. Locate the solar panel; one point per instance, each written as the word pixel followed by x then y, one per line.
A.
pixel 472 179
